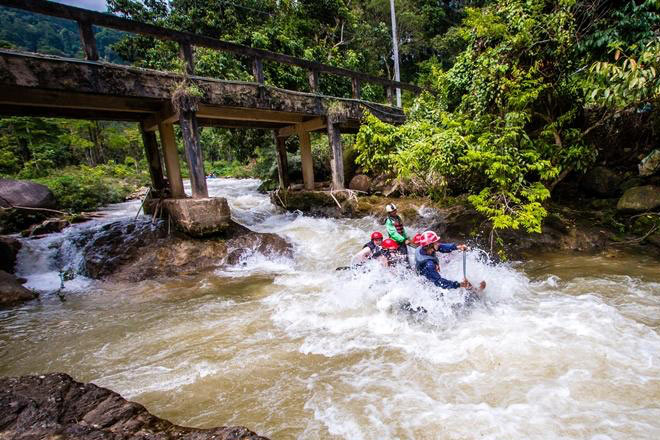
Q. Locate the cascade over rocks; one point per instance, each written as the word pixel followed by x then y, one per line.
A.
pixel 135 251
pixel 55 406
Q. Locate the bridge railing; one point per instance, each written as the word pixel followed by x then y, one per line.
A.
pixel 86 19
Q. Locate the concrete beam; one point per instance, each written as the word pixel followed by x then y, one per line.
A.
pixel 190 133
pixel 153 159
pixel 311 125
pixel 282 162
pixel 172 167
pixel 306 159
pixel 337 162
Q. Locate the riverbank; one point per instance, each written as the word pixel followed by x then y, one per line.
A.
pixel 586 225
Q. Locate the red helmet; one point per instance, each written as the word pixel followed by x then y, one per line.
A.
pixel 376 236
pixel 428 237
pixel 390 244
pixel 416 239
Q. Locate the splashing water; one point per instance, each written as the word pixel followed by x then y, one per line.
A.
pixel 563 347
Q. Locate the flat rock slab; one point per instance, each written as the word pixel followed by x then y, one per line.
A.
pixel 199 217
pixel 56 406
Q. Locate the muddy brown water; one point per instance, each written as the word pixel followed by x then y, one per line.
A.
pixel 565 346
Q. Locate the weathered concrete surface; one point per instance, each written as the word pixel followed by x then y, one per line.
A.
pixel 54 406
pixel 640 199
pixel 136 251
pixel 12 291
pixel 21 73
pixel 199 217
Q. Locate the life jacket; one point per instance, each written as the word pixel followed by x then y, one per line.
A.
pixel 393 257
pixel 398 224
pixel 421 258
pixel 376 250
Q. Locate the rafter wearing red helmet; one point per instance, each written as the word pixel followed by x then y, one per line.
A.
pixel 371 249
pixel 427 264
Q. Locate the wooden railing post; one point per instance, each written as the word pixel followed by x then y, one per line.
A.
pixel 313 78
pixel 258 70
pixel 186 54
pixel 87 41
pixel 390 95
pixel 356 87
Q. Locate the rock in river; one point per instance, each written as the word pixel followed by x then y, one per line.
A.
pixel 54 406
pixel 135 251
pixel 11 290
pixel 640 199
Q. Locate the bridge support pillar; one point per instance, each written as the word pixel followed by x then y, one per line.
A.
pixel 306 159
pixel 282 163
pixel 172 167
pixel 337 163
pixel 190 131
pixel 153 159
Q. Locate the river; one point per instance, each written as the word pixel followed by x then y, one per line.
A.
pixel 565 346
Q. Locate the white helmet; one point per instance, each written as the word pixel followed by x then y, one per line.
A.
pixel 390 208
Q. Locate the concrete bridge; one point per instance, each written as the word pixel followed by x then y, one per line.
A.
pixel 42 85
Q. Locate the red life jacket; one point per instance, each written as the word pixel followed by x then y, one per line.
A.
pixel 398 224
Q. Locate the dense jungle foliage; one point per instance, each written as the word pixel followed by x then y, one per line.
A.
pixel 524 95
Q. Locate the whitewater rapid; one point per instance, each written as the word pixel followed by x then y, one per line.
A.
pixel 564 347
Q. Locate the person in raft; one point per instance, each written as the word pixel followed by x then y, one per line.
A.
pixel 427 263
pixel 395 229
pixel 372 249
pixel 390 256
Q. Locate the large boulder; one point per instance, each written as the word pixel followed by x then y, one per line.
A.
pixel 199 217
pixel 11 290
pixel 640 199
pixel 14 193
pixel 9 247
pixel 136 251
pixel 54 406
pixel 601 181
pixel 360 182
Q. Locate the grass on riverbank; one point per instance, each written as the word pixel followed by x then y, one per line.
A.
pixel 84 188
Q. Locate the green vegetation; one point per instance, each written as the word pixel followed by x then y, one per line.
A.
pixel 511 118
pixel 85 163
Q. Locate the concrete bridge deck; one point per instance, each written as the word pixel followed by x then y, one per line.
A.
pixel 42 85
